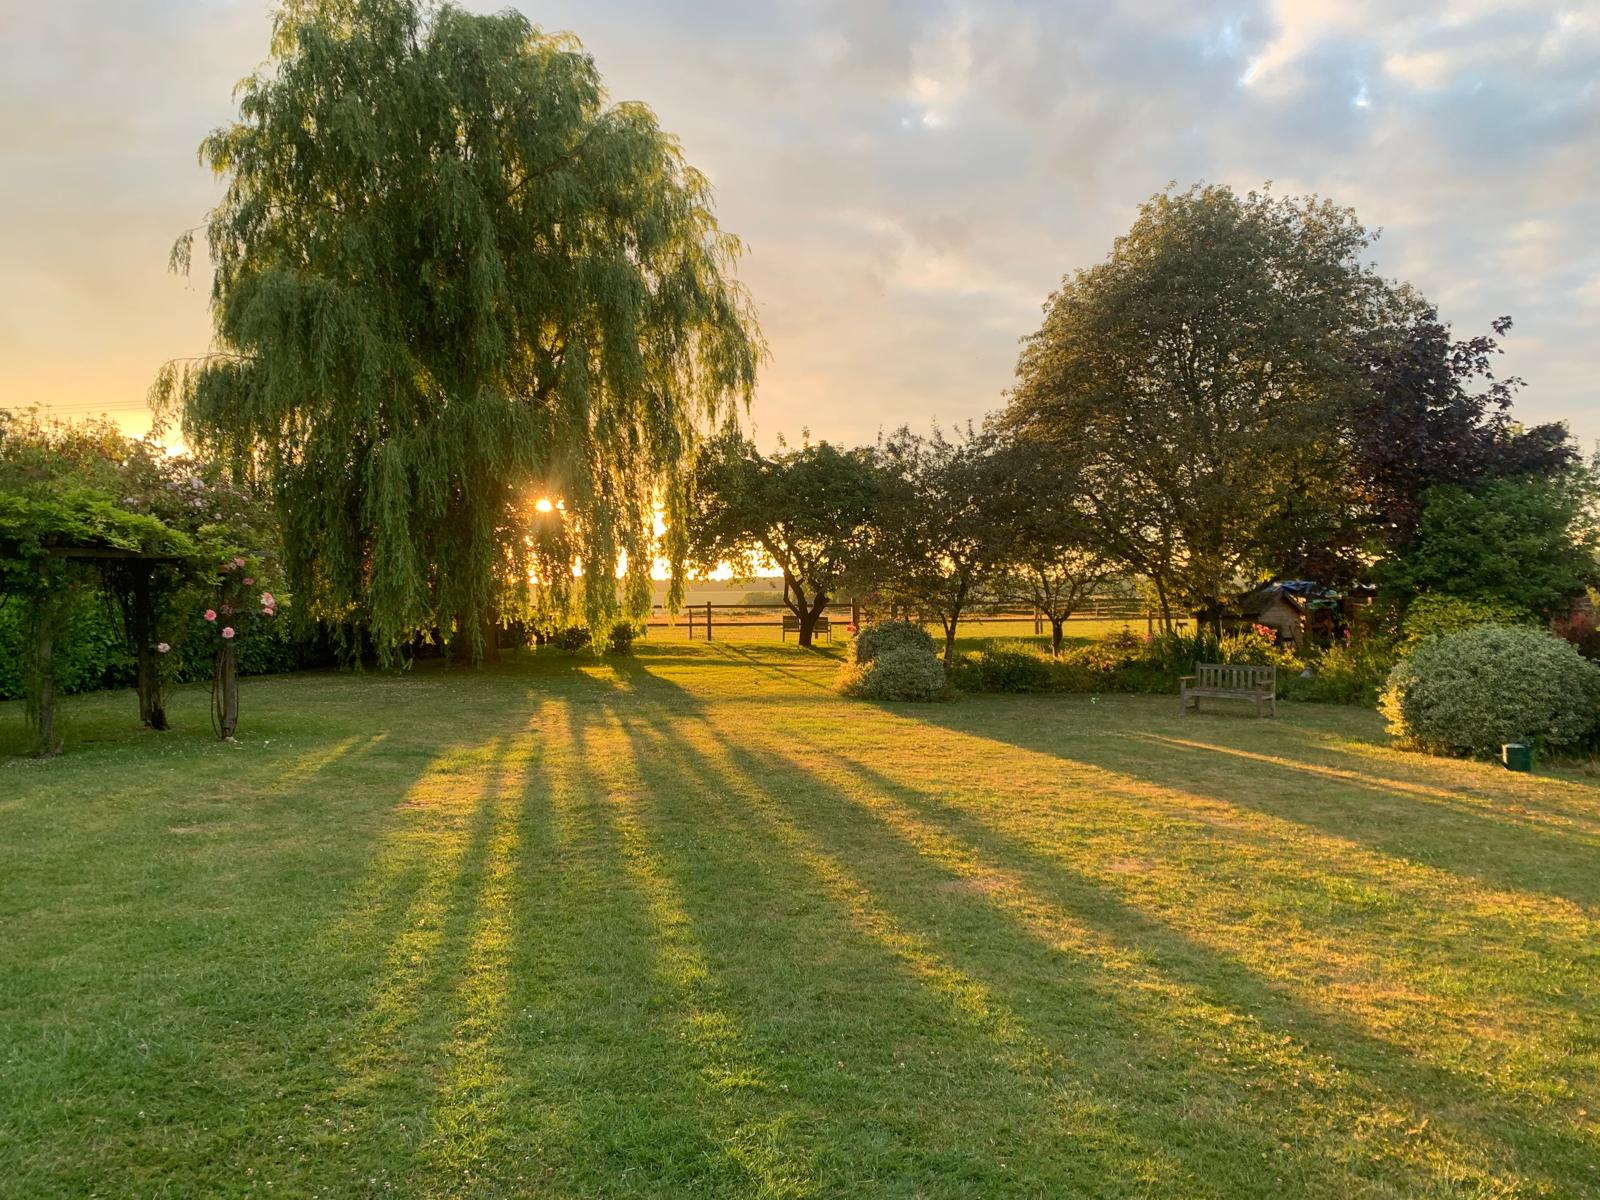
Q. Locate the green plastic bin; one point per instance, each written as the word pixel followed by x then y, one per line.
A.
pixel 1517 756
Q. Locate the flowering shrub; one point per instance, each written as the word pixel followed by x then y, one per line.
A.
pixel 1469 692
pixel 1257 646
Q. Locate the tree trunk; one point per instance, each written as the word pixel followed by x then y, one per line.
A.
pixel 949 641
pixel 1056 624
pixel 808 614
pixel 1161 599
pixel 226 688
pixel 490 634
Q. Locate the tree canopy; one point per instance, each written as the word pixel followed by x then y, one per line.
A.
pixel 1435 414
pixel 809 511
pixel 939 537
pixel 1199 376
pixel 450 280
pixel 1528 541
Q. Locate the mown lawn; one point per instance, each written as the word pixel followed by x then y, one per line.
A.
pixel 689 925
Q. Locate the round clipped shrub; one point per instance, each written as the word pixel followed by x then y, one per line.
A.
pixel 874 640
pixel 1468 693
pixel 901 673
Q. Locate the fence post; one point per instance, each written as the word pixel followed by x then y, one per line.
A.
pixel 855 612
pixel 1038 621
pixel 1150 623
pixel 708 620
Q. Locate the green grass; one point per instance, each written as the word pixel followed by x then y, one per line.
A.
pixel 690 925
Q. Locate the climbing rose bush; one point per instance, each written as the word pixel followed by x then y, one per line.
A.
pixel 1470 692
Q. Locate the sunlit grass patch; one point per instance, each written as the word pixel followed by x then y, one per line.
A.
pixel 689 924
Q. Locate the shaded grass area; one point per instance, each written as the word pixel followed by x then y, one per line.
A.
pixel 690 925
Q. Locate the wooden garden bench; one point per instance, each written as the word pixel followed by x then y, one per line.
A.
pixel 1230 681
pixel 791 624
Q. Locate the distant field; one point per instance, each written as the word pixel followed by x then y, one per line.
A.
pixel 744 626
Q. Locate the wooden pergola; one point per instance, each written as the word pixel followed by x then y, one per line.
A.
pixel 140 612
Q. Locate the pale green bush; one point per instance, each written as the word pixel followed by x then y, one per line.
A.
pixel 1472 691
pixel 887 635
pixel 907 671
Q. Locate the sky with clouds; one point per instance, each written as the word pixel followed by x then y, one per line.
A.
pixel 912 178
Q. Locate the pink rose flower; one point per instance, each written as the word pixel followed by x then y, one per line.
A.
pixel 211 614
pixel 227 631
pixel 238 562
pixel 267 601
pixel 162 647
pixel 249 583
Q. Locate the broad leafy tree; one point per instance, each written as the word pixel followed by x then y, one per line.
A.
pixel 940 540
pixel 1198 375
pixel 1050 557
pixel 1435 414
pixel 452 279
pixel 808 512
pixel 1527 541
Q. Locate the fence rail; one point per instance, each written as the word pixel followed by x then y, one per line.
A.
pixel 706 616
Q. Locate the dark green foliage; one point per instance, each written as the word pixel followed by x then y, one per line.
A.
pixel 940 539
pixel 1434 414
pixel 571 638
pixel 1004 667
pixel 1197 382
pixel 620 639
pixel 1523 542
pixel 809 511
pixel 451 280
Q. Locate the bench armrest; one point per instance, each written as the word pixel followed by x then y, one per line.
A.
pixel 1187 678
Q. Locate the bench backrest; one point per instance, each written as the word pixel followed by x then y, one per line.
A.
pixel 1236 677
pixel 791 624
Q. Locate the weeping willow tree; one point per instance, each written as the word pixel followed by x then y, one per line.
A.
pixel 451 280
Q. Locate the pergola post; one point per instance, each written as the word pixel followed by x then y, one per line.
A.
pixel 45 742
pixel 151 710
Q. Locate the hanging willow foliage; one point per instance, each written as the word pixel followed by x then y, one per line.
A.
pixel 450 280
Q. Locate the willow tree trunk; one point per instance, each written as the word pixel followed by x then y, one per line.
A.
pixel 226 690
pixel 1056 624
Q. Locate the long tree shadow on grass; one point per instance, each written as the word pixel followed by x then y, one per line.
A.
pixel 1525 1123
pixel 1386 1080
pixel 1272 774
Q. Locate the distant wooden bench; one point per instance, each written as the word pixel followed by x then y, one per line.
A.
pixel 1230 681
pixel 791 624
